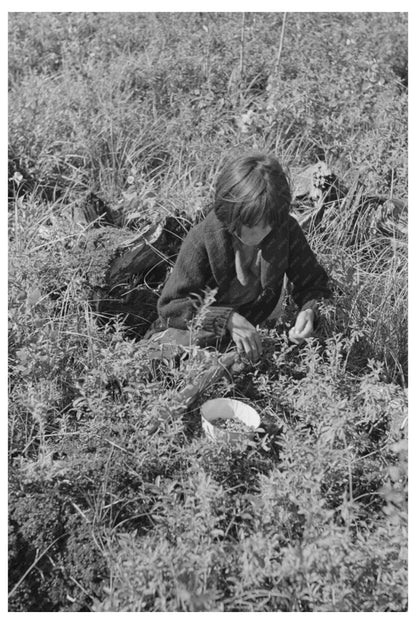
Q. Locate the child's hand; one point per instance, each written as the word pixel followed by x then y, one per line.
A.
pixel 303 327
pixel 245 336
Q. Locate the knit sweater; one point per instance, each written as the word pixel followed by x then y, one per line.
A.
pixel 206 261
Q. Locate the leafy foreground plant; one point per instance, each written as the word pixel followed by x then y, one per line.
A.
pixel 322 529
pixel 109 514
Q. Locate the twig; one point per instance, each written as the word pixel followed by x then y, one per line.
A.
pixel 274 71
pixel 242 46
pixel 81 513
pixel 36 561
pixel 402 426
pixel 113 444
pixel 282 34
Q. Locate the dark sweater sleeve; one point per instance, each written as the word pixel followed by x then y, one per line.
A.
pixel 309 279
pixel 191 275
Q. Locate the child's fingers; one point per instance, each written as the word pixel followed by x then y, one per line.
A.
pixel 252 350
pixel 248 342
pixel 306 330
pixel 300 324
pixel 259 346
pixel 248 347
pixel 299 336
pixel 294 336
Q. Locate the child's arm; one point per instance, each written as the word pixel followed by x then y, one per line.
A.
pixel 310 283
pixel 191 275
pixel 309 279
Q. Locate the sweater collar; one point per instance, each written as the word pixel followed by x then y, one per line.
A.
pixel 218 242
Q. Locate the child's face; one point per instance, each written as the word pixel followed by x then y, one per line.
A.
pixel 255 234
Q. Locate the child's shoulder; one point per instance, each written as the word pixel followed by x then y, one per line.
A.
pixel 194 240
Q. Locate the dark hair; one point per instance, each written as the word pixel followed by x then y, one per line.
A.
pixel 252 188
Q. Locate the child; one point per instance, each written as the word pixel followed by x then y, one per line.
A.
pixel 243 249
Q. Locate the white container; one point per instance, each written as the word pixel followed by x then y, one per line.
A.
pixel 224 409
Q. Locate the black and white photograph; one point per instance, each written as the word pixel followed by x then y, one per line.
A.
pixel 207 310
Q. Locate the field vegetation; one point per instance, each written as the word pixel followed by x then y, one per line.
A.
pixel 117 501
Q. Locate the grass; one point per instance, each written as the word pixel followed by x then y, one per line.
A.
pixel 117 501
